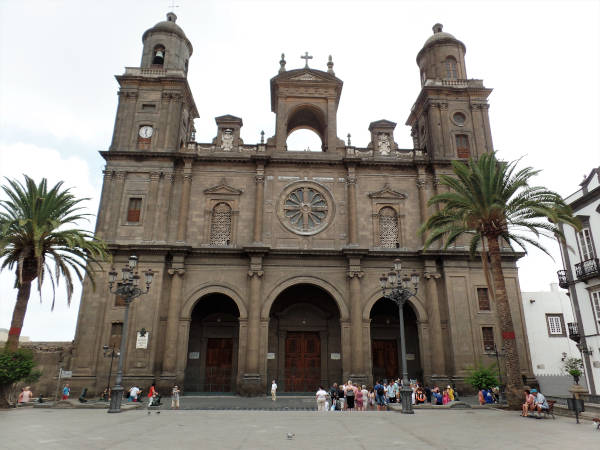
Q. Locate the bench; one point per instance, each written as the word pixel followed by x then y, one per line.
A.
pixel 550 410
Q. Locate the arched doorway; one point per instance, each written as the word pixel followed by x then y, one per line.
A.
pixel 304 339
pixel 385 341
pixel 213 345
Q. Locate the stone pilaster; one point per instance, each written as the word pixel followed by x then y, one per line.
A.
pixel 352 219
pixel 251 382
pixel 151 205
pixel 258 206
pixel 185 202
pixel 176 272
pixel 356 325
pixel 117 201
pixel 435 327
pixel 103 210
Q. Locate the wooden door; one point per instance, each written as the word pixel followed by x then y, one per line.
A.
pixel 219 365
pixel 302 362
pixel 385 359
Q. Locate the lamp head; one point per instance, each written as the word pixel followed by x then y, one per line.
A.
pixel 112 276
pixel 397 265
pixel 105 347
pixel 133 260
pixel 414 279
pixel 149 276
pixel 392 276
pixel 383 282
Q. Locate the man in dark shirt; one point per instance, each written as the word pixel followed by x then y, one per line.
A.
pixel 379 395
pixel 428 394
pixel 334 394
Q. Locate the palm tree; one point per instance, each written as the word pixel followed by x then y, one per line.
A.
pixel 491 201
pixel 34 232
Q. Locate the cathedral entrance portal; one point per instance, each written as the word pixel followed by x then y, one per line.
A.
pixel 385 341
pixel 213 345
pixel 304 340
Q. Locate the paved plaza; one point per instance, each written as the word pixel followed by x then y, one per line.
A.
pixel 33 428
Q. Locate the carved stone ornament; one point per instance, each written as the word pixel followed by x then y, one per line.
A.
pixel 387 192
pixel 227 140
pixel 305 208
pixel 384 145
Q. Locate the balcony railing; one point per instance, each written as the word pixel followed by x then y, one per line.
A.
pixel 587 269
pixel 563 279
pixel 573 331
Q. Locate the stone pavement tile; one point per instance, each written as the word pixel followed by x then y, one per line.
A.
pixel 431 429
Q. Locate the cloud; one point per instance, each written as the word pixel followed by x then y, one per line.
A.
pixel 38 162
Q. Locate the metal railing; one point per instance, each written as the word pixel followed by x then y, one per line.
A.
pixel 573 331
pixel 588 269
pixel 563 279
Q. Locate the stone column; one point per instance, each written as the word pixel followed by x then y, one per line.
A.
pixel 435 327
pixel 116 202
pixel 258 206
pixel 176 272
pixel 251 383
pixel 152 201
pixel 166 208
pixel 352 220
pixel 356 339
pixel 435 148
pixel 185 201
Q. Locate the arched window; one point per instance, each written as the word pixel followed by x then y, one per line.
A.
pixel 304 140
pixel 388 227
pixel 451 71
pixel 158 55
pixel 220 225
pixel 462 146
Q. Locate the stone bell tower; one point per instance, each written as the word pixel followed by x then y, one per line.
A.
pixel 306 99
pixel 450 117
pixel 156 108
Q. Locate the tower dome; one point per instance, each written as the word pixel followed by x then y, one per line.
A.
pixel 442 57
pixel 166 46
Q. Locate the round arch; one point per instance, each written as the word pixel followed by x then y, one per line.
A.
pixel 326 286
pixel 195 296
pixel 307 116
pixel 416 303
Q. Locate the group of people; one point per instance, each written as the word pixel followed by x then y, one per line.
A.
pixel 134 395
pixel 351 397
pixel 488 396
pixel 535 403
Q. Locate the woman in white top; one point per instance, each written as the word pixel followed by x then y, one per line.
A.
pixel 274 391
pixel 321 397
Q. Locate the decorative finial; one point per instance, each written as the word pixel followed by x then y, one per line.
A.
pixel 282 63
pixel 306 58
pixel 349 141
pixel 262 137
pixel 171 17
pixel 330 66
pixel 437 28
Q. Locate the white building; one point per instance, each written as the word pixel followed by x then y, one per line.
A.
pixel 582 275
pixel 546 315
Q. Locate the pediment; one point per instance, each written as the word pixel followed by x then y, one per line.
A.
pixel 223 189
pixel 306 75
pixel 387 192
pixel 383 123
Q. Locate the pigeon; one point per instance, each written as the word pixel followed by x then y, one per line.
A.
pixel 291 435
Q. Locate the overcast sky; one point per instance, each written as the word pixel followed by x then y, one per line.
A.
pixel 58 93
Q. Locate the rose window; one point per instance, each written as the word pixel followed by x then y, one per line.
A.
pixel 305 209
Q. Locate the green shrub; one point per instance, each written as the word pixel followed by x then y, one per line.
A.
pixel 483 377
pixel 573 366
pixel 14 367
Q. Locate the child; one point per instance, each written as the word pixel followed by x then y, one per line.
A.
pixel 175 397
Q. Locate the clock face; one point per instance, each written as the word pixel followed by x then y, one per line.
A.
pixel 146 131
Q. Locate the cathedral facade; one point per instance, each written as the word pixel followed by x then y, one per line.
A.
pixel 267 259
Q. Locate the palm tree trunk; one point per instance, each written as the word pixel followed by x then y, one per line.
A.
pixel 514 381
pixel 18 315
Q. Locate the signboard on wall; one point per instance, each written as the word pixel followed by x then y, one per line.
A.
pixel 336 356
pixel 270 355
pixel 194 355
pixel 142 341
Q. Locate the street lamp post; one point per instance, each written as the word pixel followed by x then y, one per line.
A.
pixel 501 393
pixel 112 355
pixel 395 287
pixel 128 289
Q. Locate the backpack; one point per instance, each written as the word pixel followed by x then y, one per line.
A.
pixel 380 390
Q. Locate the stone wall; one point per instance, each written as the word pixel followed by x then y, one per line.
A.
pixel 49 357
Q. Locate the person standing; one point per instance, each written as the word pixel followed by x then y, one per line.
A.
pixel 450 393
pixel 428 393
pixel 133 393
pixel 273 390
pixel 321 397
pixel 175 397
pixel 379 395
pixel 365 396
pixel 359 399
pixel 334 395
pixel 350 395
pixel 66 392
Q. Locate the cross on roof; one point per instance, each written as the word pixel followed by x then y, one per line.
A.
pixel 306 57
pixel 172 5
